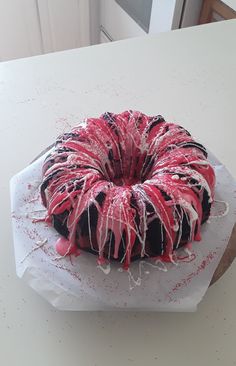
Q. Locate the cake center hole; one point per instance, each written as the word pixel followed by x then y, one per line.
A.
pixel 133 168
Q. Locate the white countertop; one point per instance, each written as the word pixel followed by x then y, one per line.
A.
pixel 189 76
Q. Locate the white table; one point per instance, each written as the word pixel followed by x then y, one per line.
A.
pixel 189 76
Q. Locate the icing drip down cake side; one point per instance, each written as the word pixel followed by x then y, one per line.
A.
pixel 127 186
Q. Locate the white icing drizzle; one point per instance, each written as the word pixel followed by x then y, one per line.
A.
pixel 105 268
pixel 188 252
pixel 39 244
pixel 175 177
pixel 158 264
pixel 224 213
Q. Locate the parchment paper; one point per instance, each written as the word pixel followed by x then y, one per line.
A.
pixel 76 283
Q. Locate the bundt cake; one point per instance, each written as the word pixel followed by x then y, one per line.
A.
pixel 127 186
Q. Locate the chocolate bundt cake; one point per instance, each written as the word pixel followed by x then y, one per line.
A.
pixel 127 186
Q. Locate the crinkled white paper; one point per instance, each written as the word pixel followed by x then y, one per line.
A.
pixel 76 283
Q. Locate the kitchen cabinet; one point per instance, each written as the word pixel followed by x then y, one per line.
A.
pixel 116 24
pixel 123 19
pixel 33 27
pixel 64 24
pixel 19 29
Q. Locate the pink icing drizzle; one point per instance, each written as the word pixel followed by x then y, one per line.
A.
pixel 144 163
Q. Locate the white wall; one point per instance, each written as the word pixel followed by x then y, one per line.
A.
pixel 231 3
